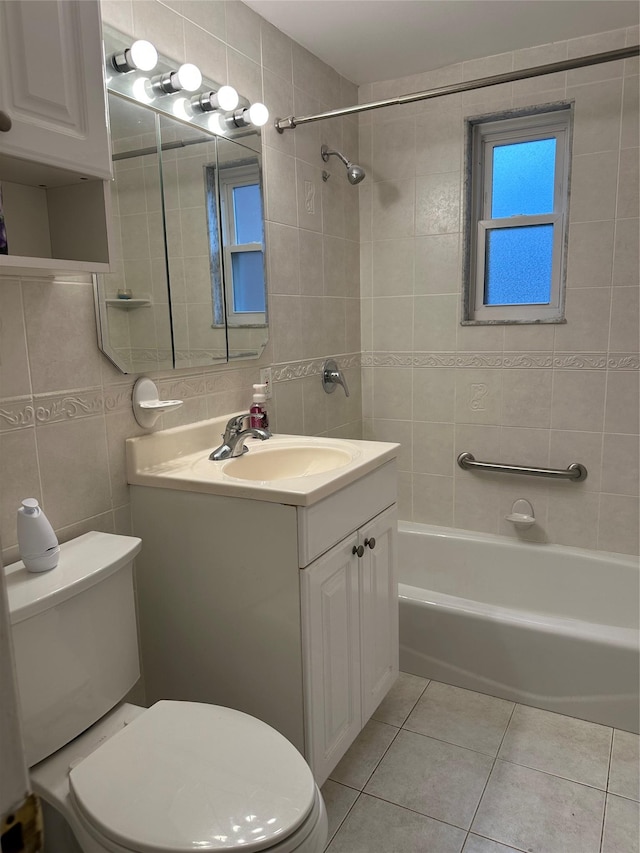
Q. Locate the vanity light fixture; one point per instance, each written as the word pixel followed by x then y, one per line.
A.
pixel 141 56
pixel 226 98
pixel 187 77
pixel 257 115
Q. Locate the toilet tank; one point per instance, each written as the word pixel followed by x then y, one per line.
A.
pixel 74 637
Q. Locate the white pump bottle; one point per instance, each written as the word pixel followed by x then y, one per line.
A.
pixel 37 541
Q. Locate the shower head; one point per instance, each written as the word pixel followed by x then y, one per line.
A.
pixel 354 173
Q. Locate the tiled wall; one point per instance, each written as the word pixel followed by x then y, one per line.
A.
pixel 530 395
pixel 65 411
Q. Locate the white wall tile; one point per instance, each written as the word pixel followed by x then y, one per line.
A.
pixel 578 400
pixel 621 474
pixel 433 499
pixel 618 524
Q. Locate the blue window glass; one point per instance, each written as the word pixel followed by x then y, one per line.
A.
pixel 247 212
pixel 518 265
pixel 248 282
pixel 523 178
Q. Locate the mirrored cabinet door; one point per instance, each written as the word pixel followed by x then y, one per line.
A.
pixel 189 282
pixel 133 300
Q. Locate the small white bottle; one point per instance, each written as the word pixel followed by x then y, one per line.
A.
pixel 37 541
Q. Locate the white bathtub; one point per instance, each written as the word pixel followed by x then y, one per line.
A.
pixel 545 625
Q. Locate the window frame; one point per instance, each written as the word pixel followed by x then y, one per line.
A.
pixel 484 133
pixel 229 179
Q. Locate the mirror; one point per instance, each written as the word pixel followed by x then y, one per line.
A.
pixel 189 285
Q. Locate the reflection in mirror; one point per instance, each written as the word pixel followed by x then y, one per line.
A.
pixel 180 194
pixel 241 225
pixel 192 251
pixel 133 301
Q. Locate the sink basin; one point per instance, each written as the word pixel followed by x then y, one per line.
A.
pixel 284 463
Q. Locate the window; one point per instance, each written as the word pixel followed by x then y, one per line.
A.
pixel 516 215
pixel 243 240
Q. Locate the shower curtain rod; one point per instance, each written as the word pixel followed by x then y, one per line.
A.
pixel 291 122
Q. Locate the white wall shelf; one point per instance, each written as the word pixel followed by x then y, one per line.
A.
pixel 127 304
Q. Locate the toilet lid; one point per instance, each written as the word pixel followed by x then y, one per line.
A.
pixel 186 776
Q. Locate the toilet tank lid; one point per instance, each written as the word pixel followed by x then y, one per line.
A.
pixel 83 562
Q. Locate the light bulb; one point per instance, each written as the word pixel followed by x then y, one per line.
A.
pixel 258 114
pixel 217 124
pixel 182 109
pixel 189 77
pixel 143 55
pixel 141 90
pixel 227 98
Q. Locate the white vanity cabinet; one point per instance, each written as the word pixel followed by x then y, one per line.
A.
pixel 54 142
pixel 266 606
pixel 350 637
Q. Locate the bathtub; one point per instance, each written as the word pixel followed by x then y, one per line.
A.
pixel 544 625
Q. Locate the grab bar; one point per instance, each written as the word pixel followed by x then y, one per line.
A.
pixel 575 471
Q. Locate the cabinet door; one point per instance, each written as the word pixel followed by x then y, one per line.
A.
pixel 331 644
pixel 52 86
pixel 378 609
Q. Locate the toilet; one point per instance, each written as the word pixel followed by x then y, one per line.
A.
pixel 176 777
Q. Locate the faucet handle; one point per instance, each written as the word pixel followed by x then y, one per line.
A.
pixel 235 425
pixel 332 376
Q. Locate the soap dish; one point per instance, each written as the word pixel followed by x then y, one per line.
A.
pixel 147 408
pixel 521 514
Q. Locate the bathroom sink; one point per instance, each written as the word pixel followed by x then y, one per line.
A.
pixel 287 469
pixel 283 463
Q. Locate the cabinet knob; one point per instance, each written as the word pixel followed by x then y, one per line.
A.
pixel 358 549
pixel 5 121
pixel 370 542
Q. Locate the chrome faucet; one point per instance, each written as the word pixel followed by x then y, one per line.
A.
pixel 235 436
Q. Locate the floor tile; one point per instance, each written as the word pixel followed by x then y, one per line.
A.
pixel 374 826
pixel 624 776
pixel 461 716
pixel 432 777
pixel 563 746
pixel 338 799
pixel 621 822
pixel 360 760
pixel 531 810
pixel 475 844
pixel 399 701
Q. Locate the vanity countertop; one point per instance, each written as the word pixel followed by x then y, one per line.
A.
pixel 178 458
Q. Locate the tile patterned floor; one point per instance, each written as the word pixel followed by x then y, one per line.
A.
pixel 439 769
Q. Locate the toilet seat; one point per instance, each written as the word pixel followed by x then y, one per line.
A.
pixel 185 776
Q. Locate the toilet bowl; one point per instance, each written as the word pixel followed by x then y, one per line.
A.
pixel 176 777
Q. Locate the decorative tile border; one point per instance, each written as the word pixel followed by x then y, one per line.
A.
pixel 53 408
pixel 23 412
pixel 312 367
pixel 16 413
pixel 518 360
pixel 117 398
